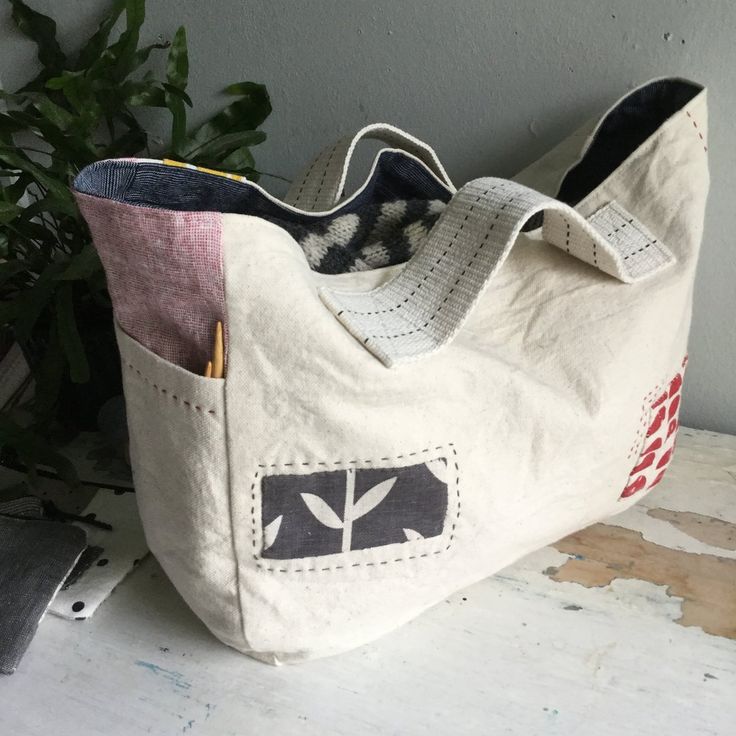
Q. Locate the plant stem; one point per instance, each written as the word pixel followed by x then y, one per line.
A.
pixel 50 154
pixel 275 176
pixel 191 153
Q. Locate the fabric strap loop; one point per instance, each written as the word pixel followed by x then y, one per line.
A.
pixel 321 185
pixel 422 308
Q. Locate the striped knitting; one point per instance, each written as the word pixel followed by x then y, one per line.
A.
pixel 377 235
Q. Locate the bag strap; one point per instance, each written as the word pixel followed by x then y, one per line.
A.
pixel 423 307
pixel 321 185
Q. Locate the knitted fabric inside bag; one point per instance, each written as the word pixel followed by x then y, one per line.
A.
pixel 375 235
pixel 380 226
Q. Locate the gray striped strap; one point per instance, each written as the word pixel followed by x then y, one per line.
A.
pixel 423 307
pixel 320 187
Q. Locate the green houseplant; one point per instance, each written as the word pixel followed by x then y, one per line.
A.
pixel 80 108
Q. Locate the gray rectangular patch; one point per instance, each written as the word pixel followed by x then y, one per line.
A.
pixel 334 511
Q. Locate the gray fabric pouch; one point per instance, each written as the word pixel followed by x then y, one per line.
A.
pixel 35 558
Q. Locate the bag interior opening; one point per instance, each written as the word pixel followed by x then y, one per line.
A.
pixel 381 225
pixel 388 219
pixel 629 124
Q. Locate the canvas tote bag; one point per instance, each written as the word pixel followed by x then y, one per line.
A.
pixel 422 384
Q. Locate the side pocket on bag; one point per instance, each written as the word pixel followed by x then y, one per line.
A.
pixel 176 424
pixel 655 442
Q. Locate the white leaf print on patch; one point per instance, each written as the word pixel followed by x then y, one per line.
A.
pixel 411 535
pixel 321 511
pixel 271 531
pixel 438 468
pixel 370 499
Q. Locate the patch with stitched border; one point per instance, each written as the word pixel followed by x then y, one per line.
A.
pixel 335 511
pixel 662 422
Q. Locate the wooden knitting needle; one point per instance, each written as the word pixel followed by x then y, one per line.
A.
pixel 208 370
pixel 218 357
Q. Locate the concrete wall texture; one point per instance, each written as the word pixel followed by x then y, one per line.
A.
pixel 491 84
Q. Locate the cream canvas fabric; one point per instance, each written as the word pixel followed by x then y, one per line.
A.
pixel 385 437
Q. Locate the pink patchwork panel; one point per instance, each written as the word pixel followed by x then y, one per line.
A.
pixel 164 273
pixel 661 422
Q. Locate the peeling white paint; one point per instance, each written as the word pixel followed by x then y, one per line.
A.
pixel 515 654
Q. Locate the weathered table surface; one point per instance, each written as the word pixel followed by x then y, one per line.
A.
pixel 628 627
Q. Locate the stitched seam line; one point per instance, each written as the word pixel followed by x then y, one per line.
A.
pixel 646 410
pixel 309 172
pixel 305 180
pixel 633 225
pixel 230 486
pixel 643 235
pixel 593 243
pixel 403 456
pixel 254 526
pixel 324 173
pixel 454 286
pixel 640 250
pixel 449 247
pixel 378 563
pixel 617 229
pixel 641 437
pixel 697 129
pixel 170 394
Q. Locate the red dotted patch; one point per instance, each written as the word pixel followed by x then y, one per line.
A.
pixel 659 443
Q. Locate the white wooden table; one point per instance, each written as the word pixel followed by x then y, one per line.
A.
pixel 601 634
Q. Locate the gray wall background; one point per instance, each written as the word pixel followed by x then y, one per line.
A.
pixel 491 84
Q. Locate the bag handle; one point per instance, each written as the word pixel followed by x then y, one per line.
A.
pixel 423 307
pixel 321 185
